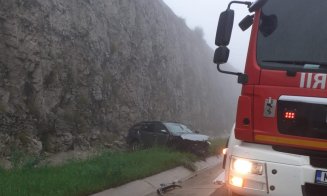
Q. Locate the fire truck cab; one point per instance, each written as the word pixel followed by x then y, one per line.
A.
pixel 279 143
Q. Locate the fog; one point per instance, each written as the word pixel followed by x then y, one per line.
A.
pixel 205 14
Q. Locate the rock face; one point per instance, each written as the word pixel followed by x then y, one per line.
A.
pixel 76 74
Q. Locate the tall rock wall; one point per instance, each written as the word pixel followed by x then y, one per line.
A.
pixel 75 74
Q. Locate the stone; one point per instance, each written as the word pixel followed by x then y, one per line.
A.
pixel 72 72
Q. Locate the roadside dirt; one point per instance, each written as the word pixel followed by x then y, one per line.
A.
pixel 63 157
pixel 52 159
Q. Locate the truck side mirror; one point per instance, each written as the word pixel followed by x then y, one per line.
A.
pixel 223 35
pixel 224 29
pixel 221 55
pixel 246 22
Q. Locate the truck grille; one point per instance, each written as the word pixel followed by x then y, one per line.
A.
pixel 317 158
pixel 314 189
pixel 305 117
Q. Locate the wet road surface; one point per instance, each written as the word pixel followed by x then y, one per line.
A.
pixel 199 185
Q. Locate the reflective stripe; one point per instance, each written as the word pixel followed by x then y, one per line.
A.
pixel 292 141
pixel 312 100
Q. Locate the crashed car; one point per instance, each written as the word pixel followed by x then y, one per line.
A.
pixel 171 134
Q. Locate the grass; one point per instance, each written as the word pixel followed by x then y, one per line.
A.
pixel 85 177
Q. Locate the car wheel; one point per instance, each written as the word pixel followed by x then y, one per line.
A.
pixel 136 145
pixel 202 151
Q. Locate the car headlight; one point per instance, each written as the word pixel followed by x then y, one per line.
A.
pixel 244 166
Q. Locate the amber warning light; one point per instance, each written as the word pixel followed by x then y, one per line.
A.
pixel 289 115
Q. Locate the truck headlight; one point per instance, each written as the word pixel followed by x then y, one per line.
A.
pixel 248 174
pixel 236 181
pixel 244 166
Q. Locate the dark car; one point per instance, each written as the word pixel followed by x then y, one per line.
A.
pixel 146 134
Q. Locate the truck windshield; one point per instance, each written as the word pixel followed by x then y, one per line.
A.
pixel 292 35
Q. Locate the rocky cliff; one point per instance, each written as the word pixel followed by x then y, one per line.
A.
pixel 76 74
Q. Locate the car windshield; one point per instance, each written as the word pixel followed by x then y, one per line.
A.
pixel 177 128
pixel 293 40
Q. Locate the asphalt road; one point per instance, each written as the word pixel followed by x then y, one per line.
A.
pixel 199 185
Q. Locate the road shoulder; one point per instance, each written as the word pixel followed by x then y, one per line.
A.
pixel 150 184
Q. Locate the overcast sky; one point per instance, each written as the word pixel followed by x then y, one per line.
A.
pixel 205 14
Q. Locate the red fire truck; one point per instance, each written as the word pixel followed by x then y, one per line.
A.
pixel 279 143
